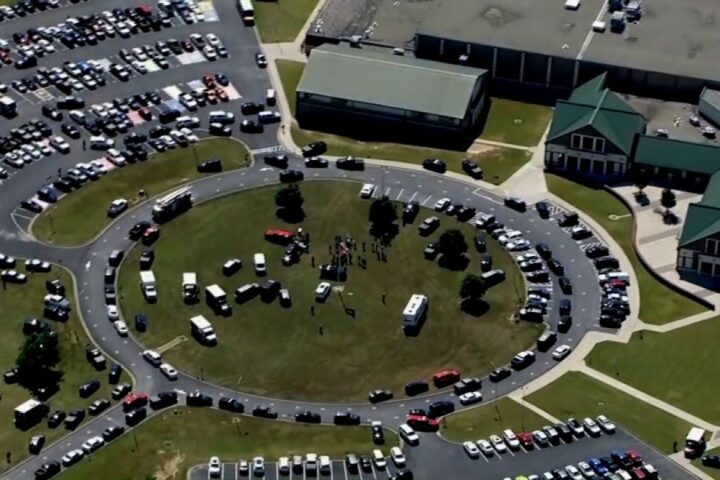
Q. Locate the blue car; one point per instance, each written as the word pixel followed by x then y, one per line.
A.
pixel 598 466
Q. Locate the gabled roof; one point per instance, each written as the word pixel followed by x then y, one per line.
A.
pixel 591 104
pixel 677 154
pixel 377 78
pixel 703 218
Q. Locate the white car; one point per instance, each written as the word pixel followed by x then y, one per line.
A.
pixel 498 444
pixel 470 397
pixel 485 447
pixel 592 427
pixel 258 466
pixel 511 439
pixel 113 313
pixel 121 328
pixel 606 424
pixel 243 468
pixel 284 466
pixel 169 371
pixel 72 457
pixel 322 291
pixel 379 459
pixel 397 457
pixel 408 434
pixel 367 190
pixel 59 144
pixel 518 245
pixel 36 265
pixel 442 204
pixel 540 438
pixel 152 357
pixel 93 444
pixel 214 467
pixel 210 53
pixel 213 40
pixel 574 473
pixel 586 469
pixel 471 449
pixel 561 352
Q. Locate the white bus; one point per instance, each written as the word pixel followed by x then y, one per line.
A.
pixel 247 12
pixel 414 310
pixel 172 205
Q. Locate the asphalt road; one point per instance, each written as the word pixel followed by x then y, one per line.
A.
pixel 88 262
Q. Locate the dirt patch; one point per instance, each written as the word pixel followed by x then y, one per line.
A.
pixel 478 148
pixel 170 468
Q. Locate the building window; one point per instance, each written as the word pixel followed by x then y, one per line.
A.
pixel 711 246
pixel 588 143
pixel 575 141
pixel 599 145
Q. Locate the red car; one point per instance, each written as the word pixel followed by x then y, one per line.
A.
pixel 635 457
pixel 134 400
pixel 211 98
pixel 209 81
pixel 220 93
pixel 145 113
pixel 526 440
pixel 446 377
pixel 187 46
pixel 423 423
pixel 150 235
pixel 275 235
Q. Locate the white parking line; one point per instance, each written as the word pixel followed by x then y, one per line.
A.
pixel 424 202
pixel 399 194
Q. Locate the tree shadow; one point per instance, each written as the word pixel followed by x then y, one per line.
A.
pixel 43 384
pixel 454 263
pixel 290 215
pixel 474 307
pixel 386 233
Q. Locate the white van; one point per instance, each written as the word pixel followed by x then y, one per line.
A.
pixel 268 116
pixel 101 143
pixel 379 459
pixel 408 434
pixel 260 265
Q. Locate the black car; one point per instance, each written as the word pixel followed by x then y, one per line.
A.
pixel 428 226
pixel 564 432
pixel 564 323
pixel 515 203
pixel 88 388
pixel 214 165
pixel 110 295
pixel 366 464
pixel 47 194
pixel 469 384
pixel 440 407
pixel 251 108
pixel 291 176
pixel 417 387
pixel 711 461
pixel 565 306
pixel 74 418
pixel 251 126
pixel 51 112
pixel 70 130
pixel 98 406
pixel 308 417
pixel 432 250
pixel 350 163
pixel 380 395
pixel 486 263
pixel 378 434
pixel 121 390
pixel 112 432
pixel 231 404
pixel 434 165
pixel 472 168
pixel 264 411
pixel 556 267
pixel 36 444
pixel 480 244
pixel 410 211
pixel 138 229
pixel 569 219
pixel 346 418
pixel 114 374
pixel 47 470
pixel 316 162
pixel 500 374
pixel 56 419
pixel 278 160
pixel 135 416
pixel 544 209
pixel 565 285
pixel 466 213
pixel 198 399
pixel 314 149
pixel 163 400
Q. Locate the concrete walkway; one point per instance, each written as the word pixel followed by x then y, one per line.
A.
pixel 684 322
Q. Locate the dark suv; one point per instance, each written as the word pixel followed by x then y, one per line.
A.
pixel 434 165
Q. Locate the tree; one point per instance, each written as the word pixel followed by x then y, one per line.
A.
pixel 37 359
pixel 452 244
pixel 289 201
pixel 473 287
pixel 383 216
pixel 640 180
pixel 668 200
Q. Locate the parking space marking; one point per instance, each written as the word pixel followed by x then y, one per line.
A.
pixel 424 202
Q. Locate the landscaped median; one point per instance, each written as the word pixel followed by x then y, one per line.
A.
pixel 491 419
pixel 498 163
pixel 578 395
pixel 659 304
pixel 166 446
pixel 678 367
pixel 78 217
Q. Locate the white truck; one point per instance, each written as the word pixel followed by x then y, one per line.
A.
pixel 202 330
pixel 148 286
pixel 415 311
pixel 190 287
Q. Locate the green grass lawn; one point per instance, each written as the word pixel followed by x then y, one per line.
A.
pixel 713 472
pixel 80 216
pixel 499 164
pixel 279 21
pixel 687 358
pixel 165 447
pixel 658 303
pixel 577 395
pixel 490 419
pixel 266 349
pixel 18 302
pixel 516 122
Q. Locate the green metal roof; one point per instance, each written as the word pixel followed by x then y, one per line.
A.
pixel 402 82
pixel 703 218
pixel 677 154
pixel 593 105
